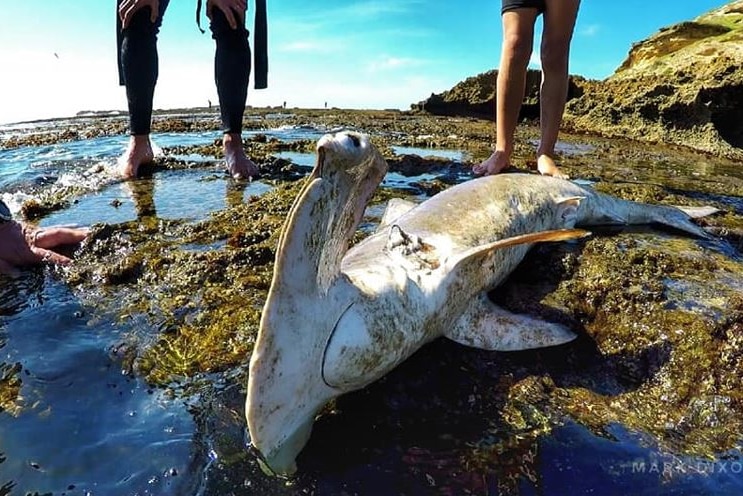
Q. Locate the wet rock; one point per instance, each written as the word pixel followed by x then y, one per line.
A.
pixel 475 96
pixel 682 85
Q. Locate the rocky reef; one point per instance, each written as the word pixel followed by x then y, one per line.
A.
pixel 682 86
pixel 475 97
pixel 659 316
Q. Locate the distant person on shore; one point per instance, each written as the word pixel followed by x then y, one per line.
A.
pixel 23 244
pixel 519 17
pixel 138 23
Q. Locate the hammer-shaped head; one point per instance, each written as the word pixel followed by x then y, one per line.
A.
pixel 307 298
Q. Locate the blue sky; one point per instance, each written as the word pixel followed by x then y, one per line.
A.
pixel 350 54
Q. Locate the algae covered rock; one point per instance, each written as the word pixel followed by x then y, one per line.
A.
pixel 682 85
pixel 475 96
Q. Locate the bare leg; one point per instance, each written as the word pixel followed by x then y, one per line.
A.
pixel 238 164
pixel 231 75
pixel 137 153
pixel 518 38
pixel 559 21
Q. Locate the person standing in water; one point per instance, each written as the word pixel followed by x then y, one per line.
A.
pixel 138 23
pixel 518 18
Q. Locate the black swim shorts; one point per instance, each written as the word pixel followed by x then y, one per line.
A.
pixel 522 4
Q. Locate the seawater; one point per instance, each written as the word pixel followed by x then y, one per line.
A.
pixel 85 428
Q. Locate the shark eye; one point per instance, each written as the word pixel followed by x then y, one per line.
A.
pixel 355 140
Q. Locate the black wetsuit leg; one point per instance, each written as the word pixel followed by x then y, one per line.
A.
pixel 232 64
pixel 138 66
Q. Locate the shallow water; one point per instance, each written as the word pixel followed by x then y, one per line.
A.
pixel 86 428
pixel 457 155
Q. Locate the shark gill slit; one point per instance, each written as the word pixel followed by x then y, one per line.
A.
pixel 327 345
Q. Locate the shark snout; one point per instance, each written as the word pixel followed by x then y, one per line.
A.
pixel 279 454
pixel 347 146
pixel 285 387
pixel 280 414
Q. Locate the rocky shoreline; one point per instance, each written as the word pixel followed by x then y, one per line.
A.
pixel 659 315
pixel 682 86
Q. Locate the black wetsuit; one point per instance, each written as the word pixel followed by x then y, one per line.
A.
pixel 507 5
pixel 138 66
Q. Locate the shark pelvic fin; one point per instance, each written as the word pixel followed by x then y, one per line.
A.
pixel 487 326
pixel 396 208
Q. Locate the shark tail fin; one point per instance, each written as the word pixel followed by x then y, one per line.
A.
pixel 681 218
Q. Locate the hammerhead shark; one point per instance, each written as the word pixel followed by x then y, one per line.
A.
pixel 337 319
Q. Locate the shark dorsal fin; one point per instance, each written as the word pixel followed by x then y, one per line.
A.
pixel 567 210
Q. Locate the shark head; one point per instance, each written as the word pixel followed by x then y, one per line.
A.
pixel 307 299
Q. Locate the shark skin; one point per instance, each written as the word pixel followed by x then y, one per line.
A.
pixel 337 319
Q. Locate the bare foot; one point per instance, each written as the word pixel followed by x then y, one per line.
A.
pixel 495 164
pixel 547 167
pixel 137 153
pixel 238 164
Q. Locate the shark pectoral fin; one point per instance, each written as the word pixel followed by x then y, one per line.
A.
pixel 487 326
pixel 474 258
pixel 396 207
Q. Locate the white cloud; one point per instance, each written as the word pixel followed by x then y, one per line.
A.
pixel 43 85
pixel 393 63
pixel 351 92
pixel 304 46
pixel 590 30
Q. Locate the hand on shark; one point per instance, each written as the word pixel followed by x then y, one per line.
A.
pixel 23 244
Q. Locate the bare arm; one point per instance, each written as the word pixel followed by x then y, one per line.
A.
pixel 23 244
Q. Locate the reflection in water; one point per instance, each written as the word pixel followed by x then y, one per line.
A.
pixel 18 293
pixel 235 193
pixel 441 424
pixel 456 155
pixel 142 194
pixel 76 422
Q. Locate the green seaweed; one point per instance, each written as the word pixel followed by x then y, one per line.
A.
pixel 189 296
